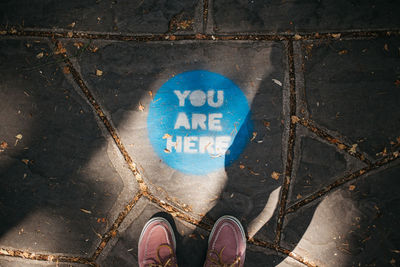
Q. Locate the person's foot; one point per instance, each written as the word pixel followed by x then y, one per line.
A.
pixel 227 243
pixel 157 244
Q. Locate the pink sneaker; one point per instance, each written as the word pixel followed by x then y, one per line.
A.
pixel 227 243
pixel 157 244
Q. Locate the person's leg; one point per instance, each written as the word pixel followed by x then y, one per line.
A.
pixel 157 244
pixel 226 244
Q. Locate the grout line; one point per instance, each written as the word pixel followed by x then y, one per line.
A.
pixel 281 250
pixel 144 191
pixel 310 125
pixel 114 228
pixel 273 36
pixel 290 145
pixel 44 257
pixel 105 120
pixel 205 15
pixel 340 182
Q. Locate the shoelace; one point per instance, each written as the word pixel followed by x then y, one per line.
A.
pixel 169 261
pixel 219 262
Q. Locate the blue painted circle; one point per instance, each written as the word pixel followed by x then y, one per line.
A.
pixel 199 122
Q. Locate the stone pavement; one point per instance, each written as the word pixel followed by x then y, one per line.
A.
pixel 282 113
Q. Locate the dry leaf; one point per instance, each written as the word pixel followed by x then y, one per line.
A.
pixel 397 82
pixel 334 141
pixel 78 45
pixel 254 173
pixel 266 124
pixel 26 161
pixel 70 34
pixel 341 146
pixel 297 37
pixel 166 150
pixel 60 49
pixel 72 25
pixel 151 94
pixel 396 154
pixel 277 82
pixel 40 55
pixel 94 49
pixel 114 233
pixel 336 35
pixel 172 37
pixel 275 175
pixel 386 47
pixel 18 136
pixel 3 32
pixel 299 196
pixel 343 52
pixel 254 136
pixel 200 36
pixel 3 145
pixel 241 166
pixel 352 150
pixel 295 119
pixel 352 187
pixel 166 136
pixel 141 107
pixel 66 70
pixel 86 211
pixel 99 72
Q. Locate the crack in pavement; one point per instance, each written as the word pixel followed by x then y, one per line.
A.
pixel 341 181
pixel 290 144
pixel 273 36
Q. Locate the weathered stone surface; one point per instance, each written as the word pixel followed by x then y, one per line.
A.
pixel 303 16
pixel 131 71
pixel 18 262
pixel 256 256
pixel 352 87
pixel 320 164
pixel 56 178
pixel 353 226
pixel 103 16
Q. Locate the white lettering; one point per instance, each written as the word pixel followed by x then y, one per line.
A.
pixel 181 97
pixel 214 124
pixel 182 121
pixel 222 144
pixel 199 120
pixel 210 98
pixel 189 144
pixel 177 144
pixel 206 143
pixel 197 98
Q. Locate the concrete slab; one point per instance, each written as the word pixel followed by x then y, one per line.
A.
pixel 58 183
pixel 342 98
pixel 353 226
pixel 302 16
pixel 18 262
pixel 104 16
